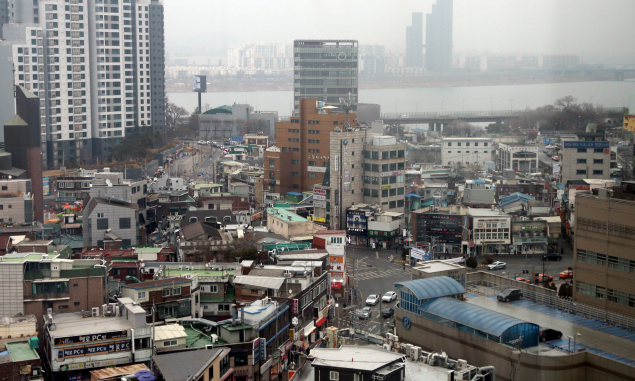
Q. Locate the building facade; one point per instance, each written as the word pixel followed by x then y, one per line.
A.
pixel 325 69
pixel 466 151
pixel 16 202
pixel 304 144
pixel 519 157
pixel 414 41
pixel 588 157
pixel 604 247
pixel 98 71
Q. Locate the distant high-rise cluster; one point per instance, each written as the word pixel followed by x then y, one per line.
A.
pixel 414 41
pixel 439 37
pixel 260 56
pixel 97 67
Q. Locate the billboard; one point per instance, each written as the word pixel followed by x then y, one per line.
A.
pixel 46 187
pixel 447 228
pixel 199 83
pixel 584 144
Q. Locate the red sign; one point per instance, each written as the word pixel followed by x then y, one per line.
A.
pixel 294 306
pixel 336 285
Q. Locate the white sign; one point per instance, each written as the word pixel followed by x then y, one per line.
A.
pixel 294 321
pixel 337 163
pixel 417 254
pixel 395 173
pixel 319 204
pixel 311 168
pixel 319 197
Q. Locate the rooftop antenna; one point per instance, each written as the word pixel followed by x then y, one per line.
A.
pixel 347 104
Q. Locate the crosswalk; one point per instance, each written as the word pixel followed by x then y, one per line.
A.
pixel 376 273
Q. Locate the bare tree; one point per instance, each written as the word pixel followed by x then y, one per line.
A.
pixel 174 114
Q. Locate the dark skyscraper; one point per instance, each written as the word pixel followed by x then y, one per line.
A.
pixel 439 37
pixel 414 41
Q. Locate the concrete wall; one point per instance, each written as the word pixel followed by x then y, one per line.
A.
pixel 11 298
pixel 581 366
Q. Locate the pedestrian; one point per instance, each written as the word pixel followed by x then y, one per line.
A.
pixel 404 267
pixel 396 248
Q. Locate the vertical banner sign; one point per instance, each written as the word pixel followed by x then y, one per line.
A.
pixel 294 306
pixel 263 348
pixel 337 163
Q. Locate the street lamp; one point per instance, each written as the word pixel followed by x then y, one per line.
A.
pixel 574 339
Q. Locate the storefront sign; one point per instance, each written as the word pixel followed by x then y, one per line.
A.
pixel 319 197
pixel 586 144
pixel 265 367
pixel 321 192
pixel 311 168
pixel 380 234
pixel 90 338
pixel 395 173
pixel 88 350
pixel 94 364
pixel 294 306
pixel 386 186
pixel 256 351
pixel 417 254
pixel 263 348
pixel 319 204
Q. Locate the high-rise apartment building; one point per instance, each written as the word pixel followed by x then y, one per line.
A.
pixel 439 37
pixel 325 69
pixel 260 55
pixel 97 67
pixel 302 155
pixel 414 41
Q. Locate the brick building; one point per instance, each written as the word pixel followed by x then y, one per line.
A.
pixel 171 297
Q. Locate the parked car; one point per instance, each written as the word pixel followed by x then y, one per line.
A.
pixel 566 274
pixel 388 312
pixel 202 142
pixel 556 158
pixel 497 265
pixel 524 280
pixel 510 295
pixel 549 154
pixel 552 257
pixel 364 313
pixel 549 334
pixel 372 300
pixel 541 278
pixel 389 297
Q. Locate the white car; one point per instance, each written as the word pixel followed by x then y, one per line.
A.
pixel 202 142
pixel 372 300
pixel 497 265
pixel 389 297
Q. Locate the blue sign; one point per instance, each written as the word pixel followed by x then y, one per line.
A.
pixel 547 141
pixel 586 144
pixel 406 322
pixel 263 348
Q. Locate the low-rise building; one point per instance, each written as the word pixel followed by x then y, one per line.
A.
pixel 384 230
pixel 479 193
pixel 587 157
pixel 200 242
pixel 290 225
pixel 447 226
pixel 111 334
pixel 21 358
pixel 103 215
pixel 202 364
pixel 530 237
pixel 519 157
pixel 491 231
pixel 16 202
pixel 167 297
pixel 466 151
pixel 431 269
pixel 169 337
pixel 24 327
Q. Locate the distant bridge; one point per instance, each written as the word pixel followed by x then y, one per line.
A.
pixel 438 119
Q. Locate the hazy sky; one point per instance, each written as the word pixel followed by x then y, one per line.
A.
pixel 601 30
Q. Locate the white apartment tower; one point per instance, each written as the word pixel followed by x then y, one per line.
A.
pixel 97 67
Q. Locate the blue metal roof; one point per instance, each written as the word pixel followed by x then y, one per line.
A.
pixel 294 194
pixel 471 315
pixel 435 287
pixel 412 195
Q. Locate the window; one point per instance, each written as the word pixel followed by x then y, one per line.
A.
pixel 176 291
pixel 210 371
pixel 295 161
pixel 580 172
pixel 589 289
pixel 312 163
pixel 166 292
pixel 312 175
pixel 384 155
pixel 581 161
pixel 598 161
pixel 170 343
pixel 598 172
pixel 621 264
pixel 124 223
pixel 295 174
pixel 141 295
pixel 597 150
pixel 620 297
pixel 582 150
pixel 102 223
pixel 591 257
pixel 334 376
pixel 63 307
pixel 449 144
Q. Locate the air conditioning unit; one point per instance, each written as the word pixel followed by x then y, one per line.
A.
pixel 180 267
pixel 415 353
pixel 288 275
pixel 395 338
pixel 406 348
pixel 95 311
pixel 461 364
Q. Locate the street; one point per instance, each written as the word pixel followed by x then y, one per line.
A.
pixel 375 275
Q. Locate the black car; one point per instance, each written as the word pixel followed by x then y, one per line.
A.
pixel 552 257
pixel 549 335
pixel 388 312
pixel 510 295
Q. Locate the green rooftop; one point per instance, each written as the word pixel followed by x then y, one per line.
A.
pixel 284 215
pixel 33 257
pixel 219 110
pixel 195 339
pixel 202 273
pixel 231 328
pixel 21 351
pixel 207 185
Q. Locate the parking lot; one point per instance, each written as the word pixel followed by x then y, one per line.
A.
pixel 516 264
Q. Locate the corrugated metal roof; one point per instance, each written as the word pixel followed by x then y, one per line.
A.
pixel 101 374
pixel 259 281
pixel 428 288
pixel 473 316
pixel 168 332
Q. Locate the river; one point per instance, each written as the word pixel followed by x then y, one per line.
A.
pixel 439 99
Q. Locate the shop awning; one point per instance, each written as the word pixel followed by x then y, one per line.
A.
pixel 320 322
pixel 336 284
